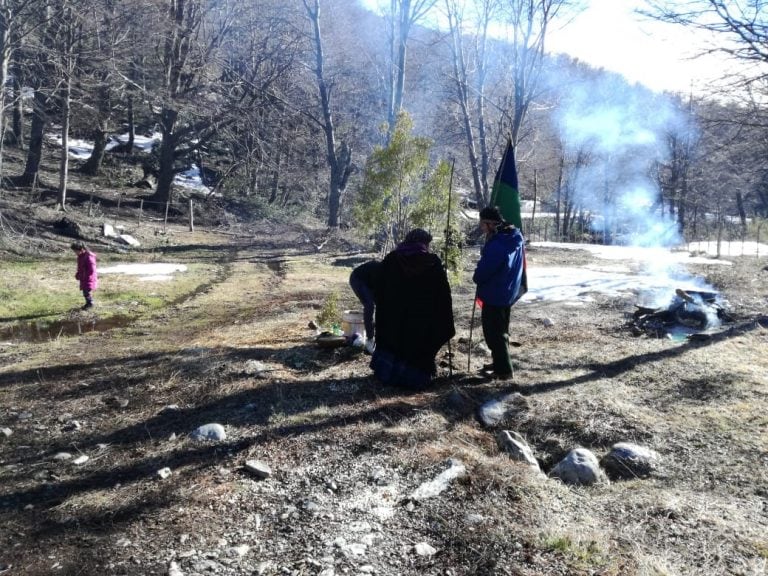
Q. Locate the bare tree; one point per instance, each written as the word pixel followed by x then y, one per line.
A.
pixel 469 65
pixel 403 14
pixel 742 28
pixel 338 156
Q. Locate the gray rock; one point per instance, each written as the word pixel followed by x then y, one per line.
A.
pixel 627 460
pixel 500 411
pixel 516 447
pixel 213 432
pixel 580 466
pixel 62 456
pixel 5 432
pixel 258 468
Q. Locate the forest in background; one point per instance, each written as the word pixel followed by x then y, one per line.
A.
pixel 284 106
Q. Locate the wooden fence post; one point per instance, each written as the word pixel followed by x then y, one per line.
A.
pixel 191 216
pixel 141 210
pixel 165 219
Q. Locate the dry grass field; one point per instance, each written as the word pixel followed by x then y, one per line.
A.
pixel 228 342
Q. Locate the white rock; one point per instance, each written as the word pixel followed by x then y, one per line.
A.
pixel 164 473
pixel 5 432
pixel 128 239
pixel 62 456
pixel 516 447
pixel 424 549
pixel 214 432
pixel 82 459
pixel 174 570
pixel 240 550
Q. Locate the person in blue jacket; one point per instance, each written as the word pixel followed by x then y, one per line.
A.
pixel 501 281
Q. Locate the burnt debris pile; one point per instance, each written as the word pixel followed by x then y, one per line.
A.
pixel 689 312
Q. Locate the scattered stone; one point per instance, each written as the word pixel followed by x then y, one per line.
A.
pixel 548 322
pixel 354 549
pixel 24 416
pixel 254 367
pixel 71 426
pixel 108 230
pixel 164 473
pixel 627 460
pixel 116 402
pixel 258 468
pixel 264 567
pixel 170 409
pixel 424 549
pixel 129 240
pixel 514 445
pixel 312 325
pixel 82 459
pixel 580 466
pixel 213 432
pixel 5 567
pixel 62 456
pixel 501 411
pixel 474 518
pixel 379 477
pixel 238 551
pixel 434 487
pixel 174 570
pixel 5 432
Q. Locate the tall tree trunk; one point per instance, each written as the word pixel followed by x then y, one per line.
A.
pixel 92 166
pixel 166 171
pixel 64 160
pixel 37 130
pixel 16 134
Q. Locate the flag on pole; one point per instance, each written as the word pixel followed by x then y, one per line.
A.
pixel 504 194
pixel 506 197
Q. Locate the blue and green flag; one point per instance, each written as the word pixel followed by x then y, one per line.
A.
pixel 504 194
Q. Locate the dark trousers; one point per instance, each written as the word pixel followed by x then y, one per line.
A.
pixel 495 320
pixel 365 295
pixel 88 295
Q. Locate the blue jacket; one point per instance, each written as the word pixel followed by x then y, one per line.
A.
pixel 500 271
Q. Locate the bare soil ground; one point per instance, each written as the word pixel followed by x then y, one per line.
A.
pixel 346 454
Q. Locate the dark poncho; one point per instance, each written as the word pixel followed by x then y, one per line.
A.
pixel 414 315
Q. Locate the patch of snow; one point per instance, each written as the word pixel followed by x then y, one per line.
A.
pixel 149 272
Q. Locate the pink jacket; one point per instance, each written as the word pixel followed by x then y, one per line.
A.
pixel 86 270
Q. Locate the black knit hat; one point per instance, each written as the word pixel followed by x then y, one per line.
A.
pixel 491 213
pixel 418 235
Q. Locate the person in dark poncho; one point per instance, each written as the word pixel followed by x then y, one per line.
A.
pixel 414 313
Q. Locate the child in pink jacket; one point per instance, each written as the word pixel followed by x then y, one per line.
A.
pixel 86 272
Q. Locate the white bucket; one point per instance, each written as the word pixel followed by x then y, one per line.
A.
pixel 352 323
